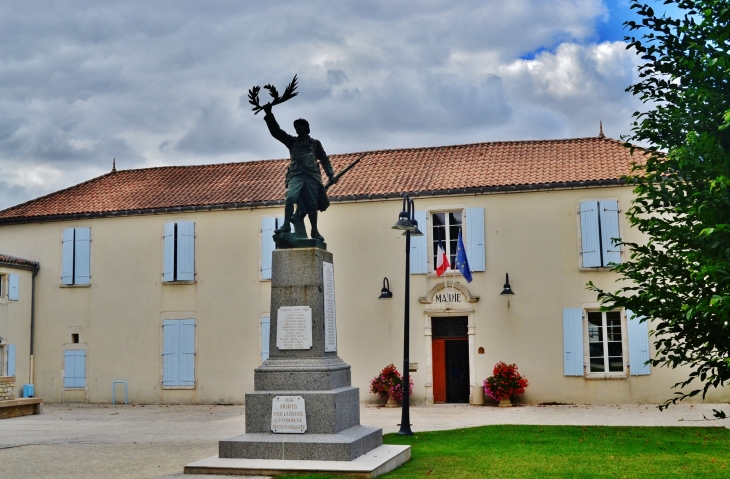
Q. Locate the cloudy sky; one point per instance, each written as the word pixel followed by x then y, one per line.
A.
pixel 165 82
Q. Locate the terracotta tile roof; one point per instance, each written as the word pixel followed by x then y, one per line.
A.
pixel 441 170
pixel 11 260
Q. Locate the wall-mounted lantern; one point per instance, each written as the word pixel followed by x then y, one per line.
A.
pixel 385 292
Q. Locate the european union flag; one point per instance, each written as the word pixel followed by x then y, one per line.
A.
pixel 461 261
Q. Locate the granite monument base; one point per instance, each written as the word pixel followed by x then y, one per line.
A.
pixel 345 445
pixel 303 408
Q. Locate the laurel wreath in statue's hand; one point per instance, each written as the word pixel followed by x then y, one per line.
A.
pixel 289 93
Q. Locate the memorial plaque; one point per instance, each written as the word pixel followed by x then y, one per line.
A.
pixel 294 327
pixel 330 323
pixel 288 415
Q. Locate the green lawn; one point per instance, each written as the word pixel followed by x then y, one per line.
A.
pixel 564 452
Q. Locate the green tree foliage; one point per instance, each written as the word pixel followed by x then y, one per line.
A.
pixel 681 277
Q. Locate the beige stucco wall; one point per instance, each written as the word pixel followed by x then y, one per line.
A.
pixel 15 325
pixel 532 236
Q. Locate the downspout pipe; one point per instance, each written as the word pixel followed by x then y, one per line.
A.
pixel 32 322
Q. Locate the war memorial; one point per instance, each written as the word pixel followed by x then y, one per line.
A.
pixel 304 414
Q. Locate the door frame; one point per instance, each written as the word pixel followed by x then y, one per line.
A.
pixel 428 338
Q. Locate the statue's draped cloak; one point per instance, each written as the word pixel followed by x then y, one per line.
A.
pixel 303 178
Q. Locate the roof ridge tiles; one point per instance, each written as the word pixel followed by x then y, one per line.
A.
pixel 486 166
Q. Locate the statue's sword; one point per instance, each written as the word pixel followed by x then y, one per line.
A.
pixel 339 175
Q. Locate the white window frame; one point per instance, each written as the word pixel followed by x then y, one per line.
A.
pixel 431 237
pixel 624 373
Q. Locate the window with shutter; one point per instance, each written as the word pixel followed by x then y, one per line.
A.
pixel 178 353
pixel 444 226
pixel 599 228
pixel 74 372
pixel 76 256
pixel 601 344
pixel 178 252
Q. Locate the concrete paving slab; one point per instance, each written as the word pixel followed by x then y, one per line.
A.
pixel 92 441
pixel 377 462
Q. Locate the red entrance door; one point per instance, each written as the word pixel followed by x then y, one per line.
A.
pixel 439 370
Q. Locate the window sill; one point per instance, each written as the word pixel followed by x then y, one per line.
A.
pixel 178 282
pixel 167 388
pixel 594 270
pixel 74 285
pixel 447 274
pixel 607 376
pixel 74 389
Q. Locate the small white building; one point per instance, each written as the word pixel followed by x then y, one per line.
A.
pixel 160 277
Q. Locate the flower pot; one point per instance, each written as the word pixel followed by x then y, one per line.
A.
pixel 392 402
pixel 505 403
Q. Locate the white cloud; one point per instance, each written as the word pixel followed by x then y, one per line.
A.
pixel 154 83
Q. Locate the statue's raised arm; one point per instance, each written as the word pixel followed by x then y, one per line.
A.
pixel 304 186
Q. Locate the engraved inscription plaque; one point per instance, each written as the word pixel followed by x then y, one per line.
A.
pixel 288 415
pixel 294 327
pixel 330 323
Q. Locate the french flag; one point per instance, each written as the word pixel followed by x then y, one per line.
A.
pixel 442 261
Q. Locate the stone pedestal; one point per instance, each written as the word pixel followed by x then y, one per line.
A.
pixel 316 374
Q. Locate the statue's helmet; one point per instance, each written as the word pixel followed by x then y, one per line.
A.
pixel 301 126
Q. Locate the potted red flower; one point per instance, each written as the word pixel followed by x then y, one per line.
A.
pixel 389 385
pixel 504 383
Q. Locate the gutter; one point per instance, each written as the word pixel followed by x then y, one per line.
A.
pixel 398 195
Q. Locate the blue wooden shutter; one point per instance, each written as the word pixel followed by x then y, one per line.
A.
pixel 187 349
pixel 170 352
pixel 168 252
pixel 573 342
pixel 74 361
pixel 67 257
pixel 419 249
pixel 82 256
pixel 13 280
pixel 638 344
pixel 609 229
pixel 69 362
pixel 11 360
pixel 590 242
pixel 268 225
pixel 265 328
pixel 475 239
pixel 186 251
pixel 80 368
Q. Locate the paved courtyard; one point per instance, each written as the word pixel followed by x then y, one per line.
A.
pixel 93 441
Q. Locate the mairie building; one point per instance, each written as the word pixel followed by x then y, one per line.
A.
pixel 160 277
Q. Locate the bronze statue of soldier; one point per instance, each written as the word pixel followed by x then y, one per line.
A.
pixel 304 187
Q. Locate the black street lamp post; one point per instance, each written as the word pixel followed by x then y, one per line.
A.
pixel 407 222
